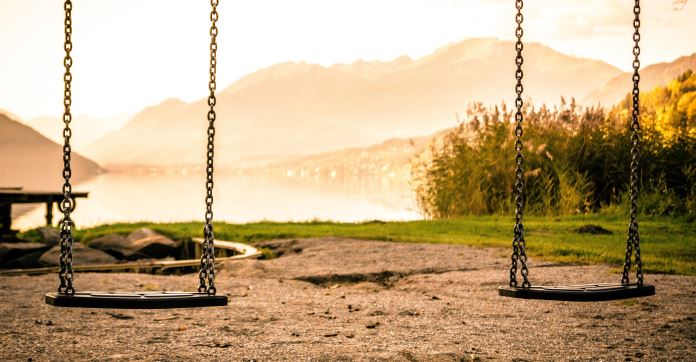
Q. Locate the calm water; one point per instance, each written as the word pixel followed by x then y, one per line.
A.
pixel 118 197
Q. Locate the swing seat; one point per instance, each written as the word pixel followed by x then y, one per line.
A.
pixel 137 300
pixel 579 293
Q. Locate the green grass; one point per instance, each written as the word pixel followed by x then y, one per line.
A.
pixel 668 244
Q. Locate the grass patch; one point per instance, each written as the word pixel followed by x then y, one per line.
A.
pixel 668 245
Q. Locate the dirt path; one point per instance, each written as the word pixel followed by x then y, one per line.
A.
pixel 335 299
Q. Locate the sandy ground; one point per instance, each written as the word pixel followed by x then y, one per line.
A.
pixel 336 299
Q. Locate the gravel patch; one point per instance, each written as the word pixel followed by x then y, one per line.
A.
pixel 334 299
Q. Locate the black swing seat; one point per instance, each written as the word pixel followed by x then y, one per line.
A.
pixel 137 300
pixel 579 293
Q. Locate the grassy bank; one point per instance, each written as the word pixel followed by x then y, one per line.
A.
pixel 668 244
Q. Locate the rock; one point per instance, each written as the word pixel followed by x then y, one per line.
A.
pixel 82 255
pixel 280 247
pixel 10 252
pixel 27 261
pixel 409 313
pixel 113 244
pixel 251 269
pixel 140 244
pixel 119 315
pixel 150 244
pixel 48 235
pixel 592 229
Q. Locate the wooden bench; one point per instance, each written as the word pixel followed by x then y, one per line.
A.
pixel 15 195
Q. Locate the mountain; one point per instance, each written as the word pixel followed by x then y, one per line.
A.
pixel 655 75
pixel 86 129
pixel 173 133
pixel 675 103
pixel 300 108
pixel 32 161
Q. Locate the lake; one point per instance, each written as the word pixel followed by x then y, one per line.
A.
pixel 124 197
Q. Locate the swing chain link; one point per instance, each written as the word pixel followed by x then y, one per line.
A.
pixel 207 271
pixel 67 204
pixel 518 244
pixel 633 242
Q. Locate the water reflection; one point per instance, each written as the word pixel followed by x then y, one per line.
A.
pixel 118 197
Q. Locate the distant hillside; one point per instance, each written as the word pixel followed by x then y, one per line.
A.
pixel 656 75
pixel 391 158
pixel 34 162
pixel 300 109
pixel 173 133
pixel 675 103
pixel 86 129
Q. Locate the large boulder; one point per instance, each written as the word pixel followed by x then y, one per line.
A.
pixel 26 261
pixel 140 244
pixel 82 255
pixel 48 235
pixel 112 244
pixel 11 252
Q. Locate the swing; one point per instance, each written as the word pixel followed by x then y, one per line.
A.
pixel 66 295
pixel 588 292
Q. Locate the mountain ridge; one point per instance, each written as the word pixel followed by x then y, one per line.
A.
pixel 299 108
pixel 652 76
pixel 32 161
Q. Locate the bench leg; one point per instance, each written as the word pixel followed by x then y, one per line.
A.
pixel 49 213
pixel 5 220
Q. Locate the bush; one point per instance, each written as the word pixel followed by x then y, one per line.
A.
pixel 576 160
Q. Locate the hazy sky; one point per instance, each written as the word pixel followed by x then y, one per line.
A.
pixel 133 53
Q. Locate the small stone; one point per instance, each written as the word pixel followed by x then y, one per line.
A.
pixel 333 334
pixel 119 315
pixel 372 325
pixel 409 313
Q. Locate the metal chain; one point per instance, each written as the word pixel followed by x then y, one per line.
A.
pixel 207 272
pixel 633 242
pixel 66 206
pixel 518 244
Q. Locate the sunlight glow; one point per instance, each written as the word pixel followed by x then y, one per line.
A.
pixel 130 54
